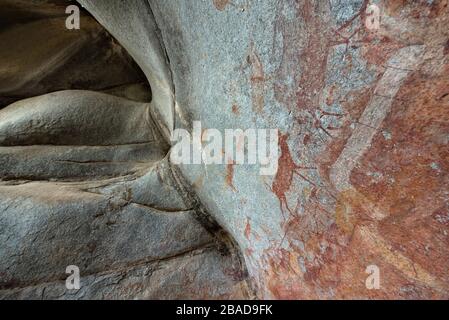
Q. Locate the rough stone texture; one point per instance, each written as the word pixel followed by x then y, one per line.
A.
pixel 363 170
pixel 84 175
pixel 39 55
pixel 133 24
pixel 75 118
pixel 60 226
pixel 199 274
pixel 366 110
pixel 132 237
pixel 76 162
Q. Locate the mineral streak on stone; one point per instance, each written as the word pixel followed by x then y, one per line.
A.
pixel 85 178
pixel 363 160
pixel 337 89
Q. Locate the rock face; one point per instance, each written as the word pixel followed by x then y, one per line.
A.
pixel 138 32
pixel 40 55
pixel 362 114
pixel 85 180
pixel 361 185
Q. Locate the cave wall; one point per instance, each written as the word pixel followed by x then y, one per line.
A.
pixel 363 122
pixel 134 26
pixel 366 109
pixel 84 176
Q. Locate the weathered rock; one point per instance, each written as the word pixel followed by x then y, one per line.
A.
pixel 76 118
pixel 136 91
pixel 200 274
pixel 76 162
pixel 125 247
pixel 362 176
pixel 87 58
pixel 156 188
pixel 139 34
pixel 366 108
pixel 51 226
pixel 84 176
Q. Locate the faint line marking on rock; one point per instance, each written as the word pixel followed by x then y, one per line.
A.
pixel 257 80
pixel 446 47
pixel 357 145
pixel 375 113
pixel 248 229
pixel 284 176
pixel 235 110
pixel 402 263
pixel 230 175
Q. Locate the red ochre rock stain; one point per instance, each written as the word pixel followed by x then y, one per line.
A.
pixel 446 47
pixel 306 139
pixel 230 175
pixel 394 6
pixel 331 96
pixel 235 110
pixel 282 275
pixel 349 203
pixel 220 5
pixel 249 252
pixel 377 50
pixel 248 229
pixel 314 62
pixel 279 261
pixel 284 176
pixel 354 109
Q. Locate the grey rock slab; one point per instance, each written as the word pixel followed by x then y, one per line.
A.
pixel 131 23
pixel 203 274
pixel 220 59
pixel 45 227
pixel 76 162
pixel 156 188
pixel 75 117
